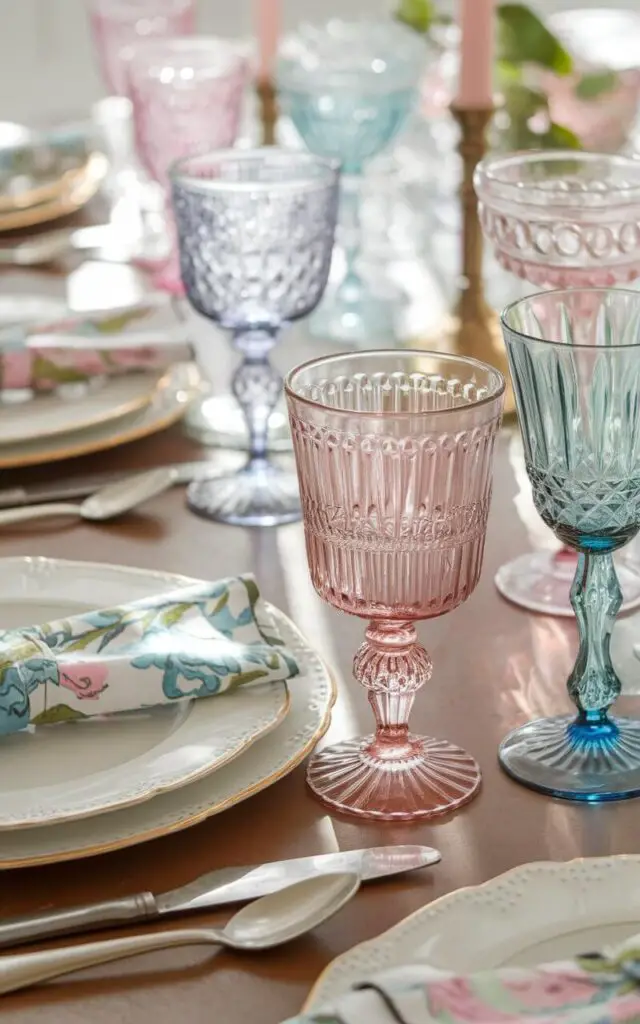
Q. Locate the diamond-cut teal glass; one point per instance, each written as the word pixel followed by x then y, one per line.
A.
pixel 575 362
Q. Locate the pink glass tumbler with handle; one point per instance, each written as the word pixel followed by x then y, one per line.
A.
pixel 394 451
pixel 187 99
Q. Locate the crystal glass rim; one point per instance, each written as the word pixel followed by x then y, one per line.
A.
pixel 146 6
pixel 496 391
pixel 486 174
pixel 569 292
pixel 169 50
pixel 209 186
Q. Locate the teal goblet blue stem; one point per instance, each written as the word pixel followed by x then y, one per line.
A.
pixel 575 362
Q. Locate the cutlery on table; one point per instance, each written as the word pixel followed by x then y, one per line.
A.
pixel 107 503
pixel 215 889
pixel 269 921
pixel 81 486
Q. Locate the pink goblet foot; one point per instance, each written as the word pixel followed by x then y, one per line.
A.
pixel 393 774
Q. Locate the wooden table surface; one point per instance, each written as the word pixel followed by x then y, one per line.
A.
pixel 494 667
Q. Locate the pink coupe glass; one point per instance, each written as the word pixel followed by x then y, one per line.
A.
pixel 118 24
pixel 561 219
pixel 394 451
pixel 187 98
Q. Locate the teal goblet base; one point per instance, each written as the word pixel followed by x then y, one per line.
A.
pixel 576 760
pixel 357 318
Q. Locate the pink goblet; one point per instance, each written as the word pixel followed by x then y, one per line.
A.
pixel 394 451
pixel 118 24
pixel 187 98
pixel 561 219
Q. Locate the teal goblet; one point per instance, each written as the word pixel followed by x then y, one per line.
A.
pixel 575 362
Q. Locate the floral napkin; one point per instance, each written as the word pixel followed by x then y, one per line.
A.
pixel 33 358
pixel 592 989
pixel 194 642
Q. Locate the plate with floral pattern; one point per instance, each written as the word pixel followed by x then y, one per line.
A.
pixel 56 773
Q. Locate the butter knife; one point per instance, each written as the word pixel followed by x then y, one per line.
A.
pixel 81 486
pixel 215 889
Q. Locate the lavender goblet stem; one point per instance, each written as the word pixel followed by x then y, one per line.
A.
pixel 256 387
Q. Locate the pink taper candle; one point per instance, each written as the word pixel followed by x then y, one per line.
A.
pixel 267 31
pixel 476 57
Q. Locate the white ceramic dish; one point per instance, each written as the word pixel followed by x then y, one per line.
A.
pixel 54 774
pixel 167 405
pixel 534 914
pixel 312 694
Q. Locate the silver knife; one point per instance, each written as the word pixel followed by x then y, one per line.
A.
pixel 80 486
pixel 227 885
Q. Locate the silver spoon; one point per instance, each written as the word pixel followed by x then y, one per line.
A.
pixel 270 921
pixel 107 503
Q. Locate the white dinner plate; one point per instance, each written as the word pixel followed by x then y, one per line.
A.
pixel 168 404
pixel 536 913
pixel 65 413
pixel 30 309
pixel 53 774
pixel 312 694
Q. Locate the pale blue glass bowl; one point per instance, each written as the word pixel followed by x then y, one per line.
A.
pixel 348 88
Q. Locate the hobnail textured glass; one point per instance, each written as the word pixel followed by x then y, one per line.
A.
pixel 561 219
pixel 394 453
pixel 256 234
pixel 348 88
pixel 575 362
pixel 187 98
pixel 119 24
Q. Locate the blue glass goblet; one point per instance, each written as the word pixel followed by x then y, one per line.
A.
pixel 348 88
pixel 575 362
pixel 256 232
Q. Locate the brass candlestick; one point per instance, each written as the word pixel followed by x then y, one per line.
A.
pixel 268 110
pixel 474 328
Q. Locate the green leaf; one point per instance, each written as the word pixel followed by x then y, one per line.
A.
pixel 58 713
pixel 246 677
pixel 44 369
pixel 82 642
pixel 521 102
pixel 524 39
pixel 594 84
pixel 172 615
pixel 417 14
pixel 559 137
pixel 224 600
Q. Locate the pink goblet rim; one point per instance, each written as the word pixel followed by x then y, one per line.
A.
pixel 210 56
pixel 571 293
pixel 491 180
pixel 495 390
pixel 319 170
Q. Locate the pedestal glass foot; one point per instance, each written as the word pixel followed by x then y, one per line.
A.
pixel 260 495
pixel 576 761
pixel 219 421
pixel 420 778
pixel 540 581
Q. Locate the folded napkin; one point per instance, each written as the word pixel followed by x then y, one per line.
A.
pixel 73 351
pixel 592 989
pixel 194 642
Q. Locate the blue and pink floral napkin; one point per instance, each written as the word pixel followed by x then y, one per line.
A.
pixel 592 989
pixel 198 641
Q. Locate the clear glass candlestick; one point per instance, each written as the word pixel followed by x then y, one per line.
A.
pixel 394 452
pixel 561 219
pixel 575 362
pixel 256 232
pixel 348 88
pixel 187 98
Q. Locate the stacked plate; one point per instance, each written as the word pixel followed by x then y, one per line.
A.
pixel 45 176
pixel 80 420
pixel 84 788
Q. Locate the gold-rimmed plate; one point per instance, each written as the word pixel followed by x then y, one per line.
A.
pixel 312 694
pixel 168 403
pixel 75 192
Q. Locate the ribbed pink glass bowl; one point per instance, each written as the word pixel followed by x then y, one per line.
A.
pixel 394 453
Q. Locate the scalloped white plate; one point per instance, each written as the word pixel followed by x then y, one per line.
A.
pixel 533 914
pixel 53 774
pixel 273 756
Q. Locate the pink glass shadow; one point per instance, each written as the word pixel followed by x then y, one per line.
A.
pixel 394 453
